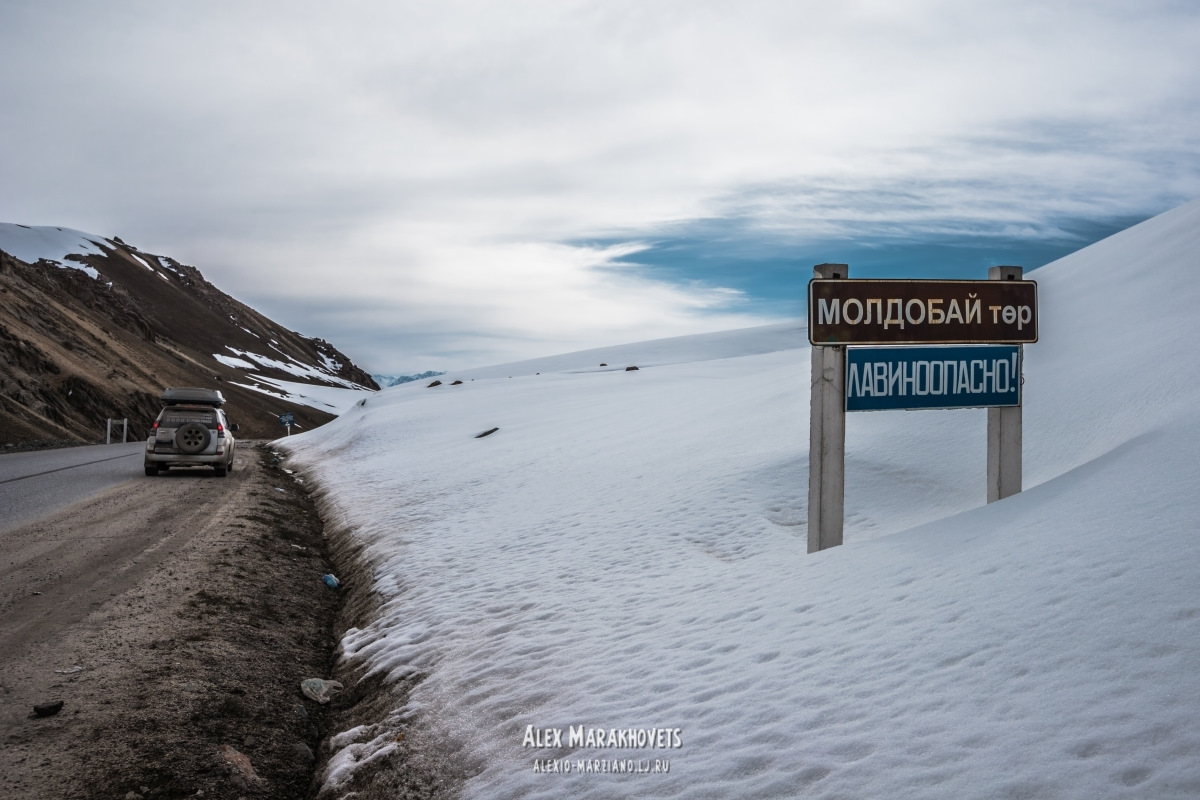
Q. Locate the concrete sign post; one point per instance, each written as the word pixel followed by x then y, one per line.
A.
pixel 827 435
pixel 1004 427
pixel 108 425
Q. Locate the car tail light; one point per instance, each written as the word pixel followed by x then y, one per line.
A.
pixel 154 427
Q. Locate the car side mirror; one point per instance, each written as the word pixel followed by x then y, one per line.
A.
pixel 233 426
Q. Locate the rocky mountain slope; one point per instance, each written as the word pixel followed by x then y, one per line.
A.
pixel 92 328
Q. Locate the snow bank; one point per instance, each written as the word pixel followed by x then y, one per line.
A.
pixel 628 552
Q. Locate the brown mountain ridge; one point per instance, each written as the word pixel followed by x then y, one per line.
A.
pixel 76 349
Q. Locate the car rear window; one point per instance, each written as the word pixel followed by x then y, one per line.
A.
pixel 174 417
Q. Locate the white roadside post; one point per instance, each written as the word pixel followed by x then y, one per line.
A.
pixel 108 430
pixel 827 436
pixel 124 430
pixel 1004 425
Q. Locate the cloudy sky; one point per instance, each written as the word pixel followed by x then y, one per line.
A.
pixel 441 185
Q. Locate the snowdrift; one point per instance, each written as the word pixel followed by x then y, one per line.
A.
pixel 627 552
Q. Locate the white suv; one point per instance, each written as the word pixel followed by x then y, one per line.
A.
pixel 191 431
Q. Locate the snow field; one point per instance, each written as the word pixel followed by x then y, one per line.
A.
pixel 628 551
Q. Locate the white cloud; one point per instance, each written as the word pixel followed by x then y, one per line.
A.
pixel 439 155
pixel 478 303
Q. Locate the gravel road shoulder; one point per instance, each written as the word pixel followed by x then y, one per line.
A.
pixel 186 678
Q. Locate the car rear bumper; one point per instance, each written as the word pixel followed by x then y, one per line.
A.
pixel 164 453
pixel 179 460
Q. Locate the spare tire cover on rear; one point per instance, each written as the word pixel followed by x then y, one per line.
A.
pixel 192 438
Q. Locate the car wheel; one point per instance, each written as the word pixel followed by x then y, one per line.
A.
pixel 151 471
pixel 220 471
pixel 192 438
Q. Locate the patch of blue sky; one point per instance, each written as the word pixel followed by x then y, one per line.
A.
pixel 771 269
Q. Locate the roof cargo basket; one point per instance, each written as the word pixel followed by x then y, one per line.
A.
pixel 206 397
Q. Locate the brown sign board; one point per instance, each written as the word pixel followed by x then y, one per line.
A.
pixel 842 312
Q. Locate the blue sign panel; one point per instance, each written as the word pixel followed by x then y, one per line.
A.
pixel 973 376
pixel 286 420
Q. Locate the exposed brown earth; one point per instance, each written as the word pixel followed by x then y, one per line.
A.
pixel 76 350
pixel 179 658
pixel 175 616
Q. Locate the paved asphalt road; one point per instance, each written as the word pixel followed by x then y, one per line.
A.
pixel 35 485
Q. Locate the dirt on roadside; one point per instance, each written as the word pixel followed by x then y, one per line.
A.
pixel 188 684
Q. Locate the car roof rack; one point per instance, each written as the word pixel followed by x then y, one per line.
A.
pixel 192 395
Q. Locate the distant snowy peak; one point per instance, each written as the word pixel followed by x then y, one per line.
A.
pixel 386 381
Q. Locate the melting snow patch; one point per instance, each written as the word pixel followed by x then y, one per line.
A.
pixel 262 389
pixel 331 364
pixel 330 399
pixel 350 754
pixel 293 367
pixel 233 362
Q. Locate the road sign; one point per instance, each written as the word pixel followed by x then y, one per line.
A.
pixel 286 420
pixel 882 378
pixel 997 317
pixel 850 312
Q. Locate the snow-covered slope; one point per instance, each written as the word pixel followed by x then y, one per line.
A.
pixel 659 352
pixel 628 552
pixel 56 245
